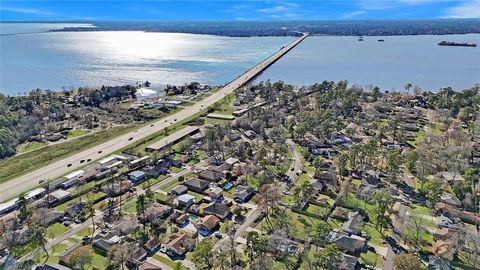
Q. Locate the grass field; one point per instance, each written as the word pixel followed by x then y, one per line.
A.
pixel 78 132
pixel 18 165
pixel 30 146
pixel 298 224
pixel 317 210
pixel 55 230
pixel 168 262
pixel 371 258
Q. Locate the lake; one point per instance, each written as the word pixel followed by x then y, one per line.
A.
pixel 390 64
pixel 55 60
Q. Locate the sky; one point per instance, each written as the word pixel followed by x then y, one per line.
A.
pixel 18 10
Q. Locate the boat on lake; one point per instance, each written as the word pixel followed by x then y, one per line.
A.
pixel 459 44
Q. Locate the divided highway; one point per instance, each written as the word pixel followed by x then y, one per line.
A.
pixel 54 170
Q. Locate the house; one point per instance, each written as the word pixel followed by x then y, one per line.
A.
pixel 157 211
pixel 196 185
pixel 178 190
pixel 206 224
pixel 340 213
pixel 442 234
pixel 127 226
pixel 218 209
pixel 152 245
pixel 370 179
pixel 182 220
pixel 178 245
pixel 243 194
pixel 136 257
pixel 444 222
pixel 210 175
pixel 136 176
pixel 231 161
pixel 8 206
pixel 234 135
pixel 438 263
pixel 250 134
pixel 156 171
pixel 52 266
pixel 354 223
pixel 352 244
pixel 149 266
pixel 185 200
pixel 327 178
pixel 64 257
pixel 59 196
pixel 75 208
pixel 280 246
pixel 450 199
pixel 216 193
pixel 103 242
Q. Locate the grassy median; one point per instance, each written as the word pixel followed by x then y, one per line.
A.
pixel 22 164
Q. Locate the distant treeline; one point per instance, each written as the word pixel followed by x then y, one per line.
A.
pixel 294 28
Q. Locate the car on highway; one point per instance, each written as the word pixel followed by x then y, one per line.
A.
pixel 88 160
pixel 82 161
pixel 151 125
pixel 69 165
pixel 100 151
pixel 131 138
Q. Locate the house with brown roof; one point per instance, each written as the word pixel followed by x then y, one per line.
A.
pixel 152 245
pixel 218 209
pixel 157 211
pixel 210 175
pixel 178 245
pixel 206 224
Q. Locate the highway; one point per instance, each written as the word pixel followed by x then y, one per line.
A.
pixel 59 168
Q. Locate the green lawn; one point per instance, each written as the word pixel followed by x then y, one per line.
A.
pixel 317 210
pixel 96 261
pixel 55 230
pixel 168 262
pixel 375 236
pixel 352 202
pixel 85 232
pixel 371 258
pixel 22 250
pixel 197 196
pixel 130 207
pixel 298 224
pixel 288 199
pixel 53 254
pixel 335 223
pixel 303 178
pixel 77 132
pixel 29 146
pixel 286 263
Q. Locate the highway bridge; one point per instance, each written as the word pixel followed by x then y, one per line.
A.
pixel 59 168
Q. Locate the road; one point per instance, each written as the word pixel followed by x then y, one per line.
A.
pixel 252 216
pixel 54 170
pixel 297 160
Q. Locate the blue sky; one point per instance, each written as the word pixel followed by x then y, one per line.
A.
pixel 237 10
